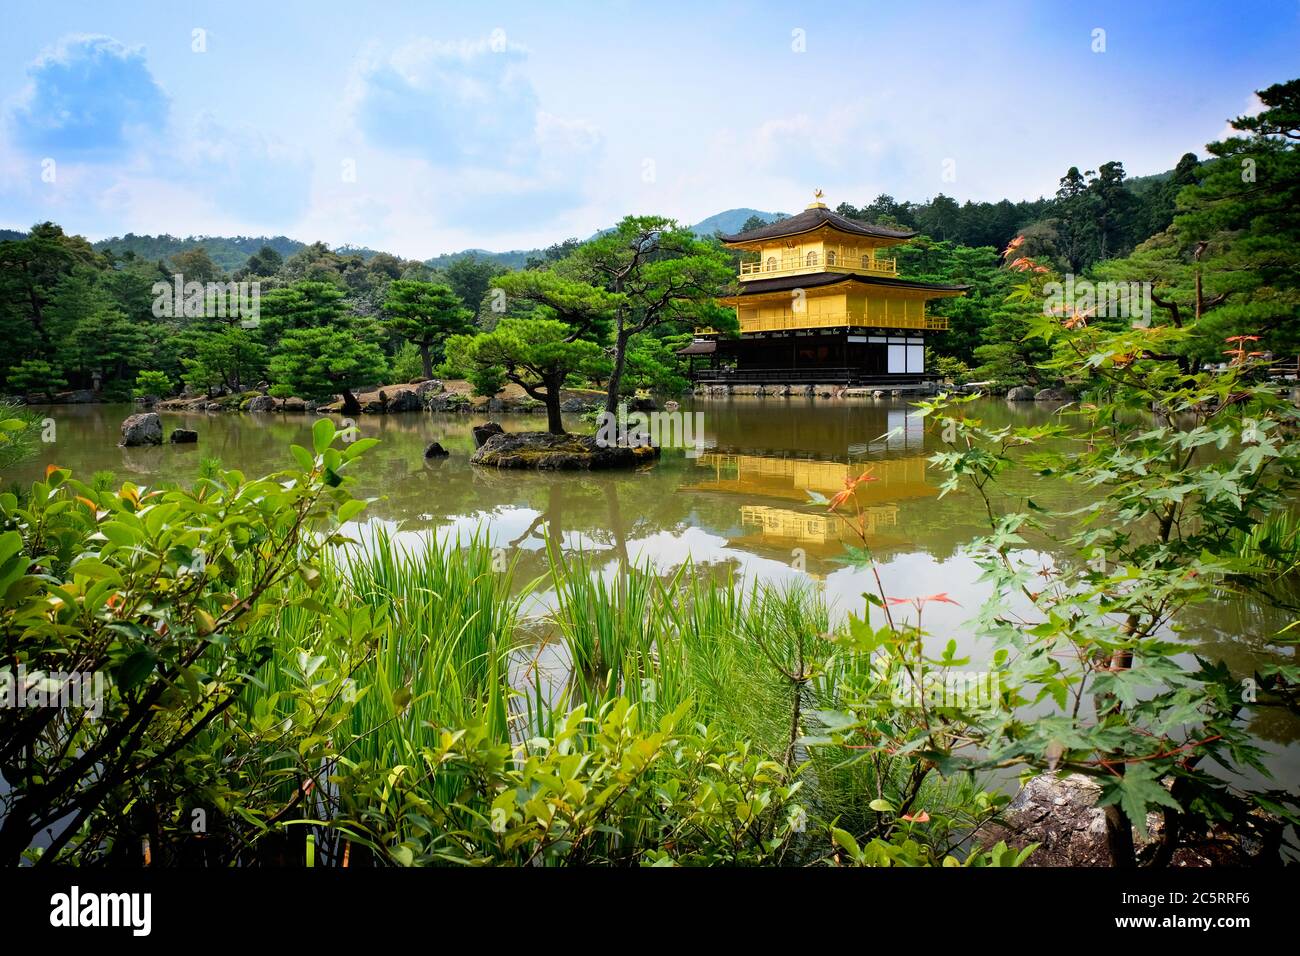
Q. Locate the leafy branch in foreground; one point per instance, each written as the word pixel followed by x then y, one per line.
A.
pixel 156 592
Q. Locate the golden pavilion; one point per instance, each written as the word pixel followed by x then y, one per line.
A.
pixel 821 302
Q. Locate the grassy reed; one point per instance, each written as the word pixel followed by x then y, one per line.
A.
pixel 1273 544
pixel 752 663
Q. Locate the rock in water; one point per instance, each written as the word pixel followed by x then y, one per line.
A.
pixel 435 450
pixel 547 452
pixel 485 431
pixel 262 403
pixel 183 436
pixel 1053 395
pixel 142 429
pixel 1021 393
pixel 408 401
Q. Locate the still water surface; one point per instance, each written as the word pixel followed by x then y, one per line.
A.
pixel 740 505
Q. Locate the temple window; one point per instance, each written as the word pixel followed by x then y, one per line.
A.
pixel 811 259
pixel 830 258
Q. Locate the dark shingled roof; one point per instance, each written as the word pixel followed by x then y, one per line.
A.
pixel 815 218
pixel 786 283
pixel 699 348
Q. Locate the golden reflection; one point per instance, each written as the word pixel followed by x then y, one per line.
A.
pixel 811 528
pixel 766 476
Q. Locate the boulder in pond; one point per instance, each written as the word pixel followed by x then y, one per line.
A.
pixel 1053 395
pixel 546 452
pixel 1021 393
pixel 407 401
pixel 449 402
pixel 142 429
pixel 435 450
pixel 260 403
pixel 485 431
pixel 183 436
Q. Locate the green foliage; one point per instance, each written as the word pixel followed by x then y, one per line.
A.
pixel 662 277
pixel 19 429
pixel 306 304
pixel 652 366
pixel 231 358
pixel 600 789
pixel 1173 467
pixel 535 354
pixel 152 383
pixel 406 363
pixel 319 363
pixel 469 277
pixel 228 254
pixel 35 375
pixel 545 293
pixel 158 593
pixel 425 314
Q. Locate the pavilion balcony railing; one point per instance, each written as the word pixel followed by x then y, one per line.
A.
pixel 805 376
pixel 771 266
pixel 789 321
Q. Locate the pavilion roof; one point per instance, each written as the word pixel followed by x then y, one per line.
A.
pixel 816 217
pixel 788 283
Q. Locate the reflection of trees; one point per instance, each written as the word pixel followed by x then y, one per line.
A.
pixel 1240 633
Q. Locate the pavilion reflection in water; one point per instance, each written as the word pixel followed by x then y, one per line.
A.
pixel 784 516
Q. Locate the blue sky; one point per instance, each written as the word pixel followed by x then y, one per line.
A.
pixel 428 127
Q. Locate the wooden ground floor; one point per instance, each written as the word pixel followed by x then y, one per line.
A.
pixel 881 357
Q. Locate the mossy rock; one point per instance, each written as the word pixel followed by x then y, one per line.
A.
pixel 546 452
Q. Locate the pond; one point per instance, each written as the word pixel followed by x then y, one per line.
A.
pixel 739 504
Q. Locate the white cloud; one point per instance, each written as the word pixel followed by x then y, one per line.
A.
pixel 1254 106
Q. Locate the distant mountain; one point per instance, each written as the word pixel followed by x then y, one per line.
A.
pixel 514 259
pixel 730 222
pixel 363 251
pixel 230 253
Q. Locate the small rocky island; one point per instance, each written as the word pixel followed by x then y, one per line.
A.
pixel 548 452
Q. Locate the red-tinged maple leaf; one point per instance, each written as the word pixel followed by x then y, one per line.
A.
pixel 839 499
pixel 918 817
pixel 940 598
